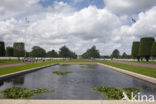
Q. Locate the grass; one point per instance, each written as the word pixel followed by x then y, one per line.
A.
pixel 12 69
pixel 137 69
pixel 144 62
pixel 6 61
pixel 61 73
pixel 22 93
pixel 115 93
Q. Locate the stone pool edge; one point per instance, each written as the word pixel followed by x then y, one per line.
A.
pixel 24 72
pixel 72 102
pixel 133 74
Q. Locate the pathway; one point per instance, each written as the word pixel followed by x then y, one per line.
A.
pixel 7 65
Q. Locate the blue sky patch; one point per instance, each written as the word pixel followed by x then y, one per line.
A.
pixel 77 5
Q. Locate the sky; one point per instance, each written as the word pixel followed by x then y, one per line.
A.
pixel 78 24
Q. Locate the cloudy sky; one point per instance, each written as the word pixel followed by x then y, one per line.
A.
pixel 78 24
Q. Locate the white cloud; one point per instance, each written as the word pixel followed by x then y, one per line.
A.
pixel 129 6
pixel 60 25
pixel 10 8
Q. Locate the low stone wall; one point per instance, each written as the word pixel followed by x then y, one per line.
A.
pixel 71 102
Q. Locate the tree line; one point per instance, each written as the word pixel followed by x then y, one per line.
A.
pixel 145 48
pixel 18 50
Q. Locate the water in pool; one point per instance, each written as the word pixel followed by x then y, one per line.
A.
pixel 76 85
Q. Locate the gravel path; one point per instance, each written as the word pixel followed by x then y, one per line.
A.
pixel 136 64
pixel 7 65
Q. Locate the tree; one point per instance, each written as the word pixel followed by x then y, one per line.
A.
pixel 115 54
pixel 153 50
pixel 9 51
pixel 38 52
pixel 135 50
pixel 66 53
pixel 2 48
pixel 52 53
pixel 91 53
pixel 145 47
pixel 124 55
pixel 19 49
pixel 73 55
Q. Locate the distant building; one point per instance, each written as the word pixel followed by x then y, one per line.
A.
pixel 79 56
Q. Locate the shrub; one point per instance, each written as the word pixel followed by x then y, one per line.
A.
pixel 135 50
pixel 19 50
pixel 9 51
pixel 153 50
pixel 2 48
pixel 145 47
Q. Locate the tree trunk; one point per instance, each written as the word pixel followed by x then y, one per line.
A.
pixel 138 58
pixel 147 58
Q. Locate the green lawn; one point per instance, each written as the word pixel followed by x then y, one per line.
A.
pixel 13 69
pixel 137 69
pixel 144 62
pixel 6 61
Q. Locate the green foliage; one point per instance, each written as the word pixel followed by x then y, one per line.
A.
pixel 9 51
pixel 22 93
pixel 2 48
pixel 153 50
pixel 138 69
pixel 91 53
pixel 145 47
pixel 135 49
pixel 66 53
pixel 41 91
pixel 19 50
pixel 115 54
pixel 61 73
pixel 124 55
pixel 52 53
pixel 115 93
pixel 38 52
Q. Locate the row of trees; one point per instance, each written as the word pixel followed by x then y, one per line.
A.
pixel 91 53
pixel 116 54
pixel 144 49
pixel 18 50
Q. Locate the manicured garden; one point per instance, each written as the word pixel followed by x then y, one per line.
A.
pixel 12 69
pixel 137 69
pixel 144 62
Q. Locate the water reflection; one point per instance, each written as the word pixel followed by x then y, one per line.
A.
pixel 18 80
pixel 1 83
pixel 77 85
